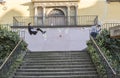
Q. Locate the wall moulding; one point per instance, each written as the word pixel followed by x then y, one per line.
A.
pixel 55 0
pixel 56 4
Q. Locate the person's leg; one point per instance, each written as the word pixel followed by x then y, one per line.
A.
pixel 34 32
pixel 93 34
pixel 41 30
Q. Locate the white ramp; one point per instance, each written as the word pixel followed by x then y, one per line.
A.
pixel 58 39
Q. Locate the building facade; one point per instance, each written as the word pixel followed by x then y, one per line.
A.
pixel 58 12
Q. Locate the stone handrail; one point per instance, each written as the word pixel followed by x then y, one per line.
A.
pixel 111 73
pixel 4 68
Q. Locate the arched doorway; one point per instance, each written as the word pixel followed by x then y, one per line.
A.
pixel 56 17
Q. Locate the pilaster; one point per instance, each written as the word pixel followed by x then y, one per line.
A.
pixel 36 15
pixel 43 14
pixel 68 15
pixel 76 15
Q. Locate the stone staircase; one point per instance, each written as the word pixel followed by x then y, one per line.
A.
pixel 67 64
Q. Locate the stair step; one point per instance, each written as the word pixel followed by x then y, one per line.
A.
pixel 57 63
pixel 61 76
pixel 77 55
pixel 55 60
pixel 58 58
pixel 58 54
pixel 55 73
pixel 55 69
pixel 56 66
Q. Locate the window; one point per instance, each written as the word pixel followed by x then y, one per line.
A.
pixel 56 12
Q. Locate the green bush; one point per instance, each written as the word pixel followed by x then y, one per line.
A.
pixel 110 48
pixel 8 40
pixel 96 60
pixel 109 43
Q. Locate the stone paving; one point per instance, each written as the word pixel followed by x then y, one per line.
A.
pixel 58 39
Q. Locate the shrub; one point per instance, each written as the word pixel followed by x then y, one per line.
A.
pixel 8 40
pixel 110 48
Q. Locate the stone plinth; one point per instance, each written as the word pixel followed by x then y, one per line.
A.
pixel 115 32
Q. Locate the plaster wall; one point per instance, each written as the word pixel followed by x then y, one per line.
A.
pixel 107 12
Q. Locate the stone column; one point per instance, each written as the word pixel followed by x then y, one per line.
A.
pixel 68 15
pixel 76 15
pixel 43 14
pixel 36 14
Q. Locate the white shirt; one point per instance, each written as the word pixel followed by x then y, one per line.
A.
pixel 33 29
pixel 95 29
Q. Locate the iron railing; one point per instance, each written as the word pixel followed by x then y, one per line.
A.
pixel 109 25
pixel 15 22
pixel 110 71
pixel 85 20
pixel 4 68
pixel 20 32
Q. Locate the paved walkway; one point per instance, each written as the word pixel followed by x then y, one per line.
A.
pixel 58 39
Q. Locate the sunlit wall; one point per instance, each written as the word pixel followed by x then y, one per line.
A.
pixel 105 11
pixel 13 8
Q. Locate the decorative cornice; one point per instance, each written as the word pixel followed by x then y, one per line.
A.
pixel 56 4
pixel 37 1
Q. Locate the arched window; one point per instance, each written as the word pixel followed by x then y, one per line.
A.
pixel 56 12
